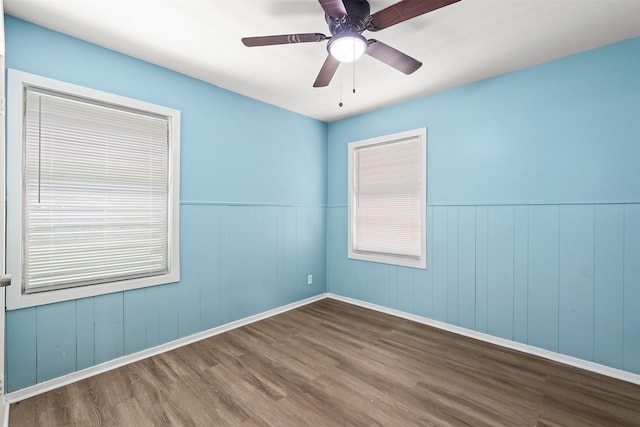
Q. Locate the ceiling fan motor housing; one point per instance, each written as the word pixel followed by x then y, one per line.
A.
pixel 347 20
pixel 358 12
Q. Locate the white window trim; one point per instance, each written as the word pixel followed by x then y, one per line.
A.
pixel 15 297
pixel 380 257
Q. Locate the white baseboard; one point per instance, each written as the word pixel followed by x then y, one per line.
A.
pixel 43 387
pixel 525 348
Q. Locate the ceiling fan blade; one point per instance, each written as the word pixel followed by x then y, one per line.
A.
pixel 392 57
pixel 403 11
pixel 327 72
pixel 283 39
pixel 333 8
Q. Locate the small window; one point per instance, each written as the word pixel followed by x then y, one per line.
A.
pixel 387 199
pixel 93 186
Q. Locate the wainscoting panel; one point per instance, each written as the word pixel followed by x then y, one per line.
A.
pixel 57 353
pixel 575 278
pixel 85 335
pixel 631 308
pixel 135 317
pixel 542 303
pixel 564 278
pixel 108 324
pixel 466 292
pixel 236 261
pixel 500 283
pixel 609 284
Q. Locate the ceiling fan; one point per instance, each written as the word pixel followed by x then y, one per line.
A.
pixel 347 20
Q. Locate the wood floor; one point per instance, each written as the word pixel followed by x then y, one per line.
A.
pixel 334 364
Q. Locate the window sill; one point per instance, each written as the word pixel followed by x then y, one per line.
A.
pixel 17 300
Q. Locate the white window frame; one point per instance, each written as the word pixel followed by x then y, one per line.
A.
pixel 380 257
pixel 16 298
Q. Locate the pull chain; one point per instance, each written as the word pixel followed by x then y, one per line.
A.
pixel 354 68
pixel 340 104
pixel 354 76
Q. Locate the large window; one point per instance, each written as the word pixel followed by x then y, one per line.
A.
pixel 93 186
pixel 387 199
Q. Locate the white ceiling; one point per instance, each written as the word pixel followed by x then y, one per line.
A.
pixel 459 44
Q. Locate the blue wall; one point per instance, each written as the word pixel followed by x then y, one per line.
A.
pixel 533 207
pixel 252 217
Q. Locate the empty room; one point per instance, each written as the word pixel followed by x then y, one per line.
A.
pixel 320 213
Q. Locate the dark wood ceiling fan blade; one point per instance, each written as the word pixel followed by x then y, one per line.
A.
pixel 327 72
pixel 283 39
pixel 403 11
pixel 333 8
pixel 392 57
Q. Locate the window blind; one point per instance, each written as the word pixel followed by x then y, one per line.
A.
pixel 96 186
pixel 388 197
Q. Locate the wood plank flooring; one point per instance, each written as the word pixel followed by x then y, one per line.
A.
pixel 334 364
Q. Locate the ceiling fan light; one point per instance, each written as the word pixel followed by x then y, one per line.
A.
pixel 347 47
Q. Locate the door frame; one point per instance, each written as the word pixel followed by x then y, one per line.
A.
pixel 4 412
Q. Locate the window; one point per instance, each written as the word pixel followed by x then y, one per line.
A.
pixel 93 192
pixel 387 199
